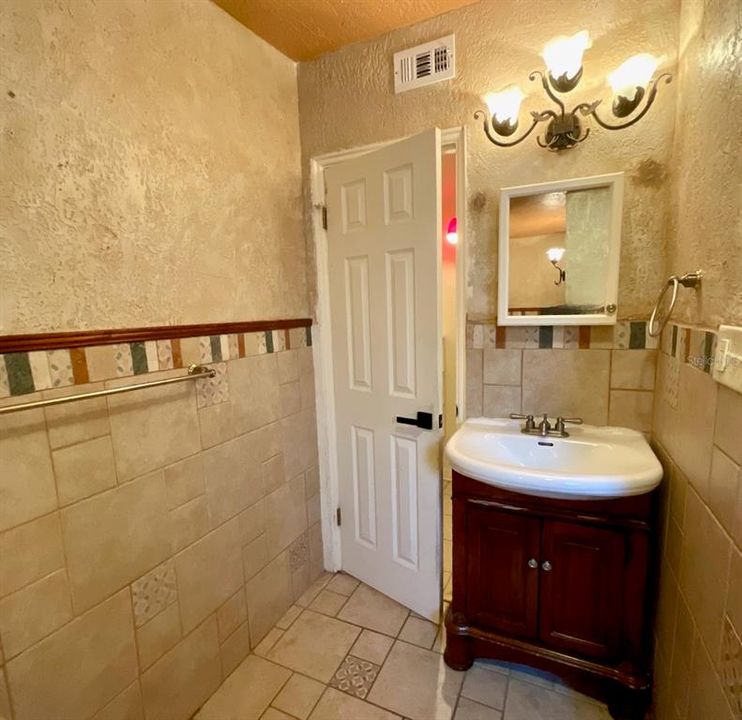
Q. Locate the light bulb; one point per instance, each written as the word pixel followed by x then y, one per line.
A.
pixel 504 106
pixel 555 254
pixel 563 55
pixel 636 72
pixel 451 235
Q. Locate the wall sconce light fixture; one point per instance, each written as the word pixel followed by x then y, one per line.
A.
pixel 451 235
pixel 632 83
pixel 555 255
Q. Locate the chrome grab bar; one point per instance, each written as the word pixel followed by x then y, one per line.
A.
pixel 195 372
pixel 689 280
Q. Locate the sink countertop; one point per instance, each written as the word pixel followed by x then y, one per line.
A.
pixel 593 462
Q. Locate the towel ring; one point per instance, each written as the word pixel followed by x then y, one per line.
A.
pixel 689 280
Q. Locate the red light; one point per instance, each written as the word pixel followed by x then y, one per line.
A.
pixel 451 234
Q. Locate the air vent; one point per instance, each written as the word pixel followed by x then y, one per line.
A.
pixel 424 65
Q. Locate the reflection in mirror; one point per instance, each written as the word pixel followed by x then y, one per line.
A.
pixel 562 251
pixel 559 252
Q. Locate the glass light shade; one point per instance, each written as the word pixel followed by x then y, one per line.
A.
pixel 555 254
pixel 451 235
pixel 636 72
pixel 563 55
pixel 504 106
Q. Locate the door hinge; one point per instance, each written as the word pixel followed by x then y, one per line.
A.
pixel 324 217
pixel 338 517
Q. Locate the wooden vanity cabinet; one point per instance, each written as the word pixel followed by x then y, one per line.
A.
pixel 561 585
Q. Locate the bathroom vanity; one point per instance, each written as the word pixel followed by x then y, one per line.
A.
pixel 563 584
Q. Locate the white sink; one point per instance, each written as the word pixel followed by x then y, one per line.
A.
pixel 593 462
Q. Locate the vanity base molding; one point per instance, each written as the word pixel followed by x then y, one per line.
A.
pixel 559 585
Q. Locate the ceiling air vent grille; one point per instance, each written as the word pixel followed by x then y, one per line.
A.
pixel 424 65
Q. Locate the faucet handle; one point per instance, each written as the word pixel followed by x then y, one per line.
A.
pixel 530 423
pixel 571 421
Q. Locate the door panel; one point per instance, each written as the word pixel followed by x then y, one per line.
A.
pixel 383 212
pixel 502 589
pixel 581 595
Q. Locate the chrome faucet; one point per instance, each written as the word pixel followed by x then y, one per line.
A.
pixel 544 428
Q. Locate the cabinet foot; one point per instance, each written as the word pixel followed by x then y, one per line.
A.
pixel 458 654
pixel 629 704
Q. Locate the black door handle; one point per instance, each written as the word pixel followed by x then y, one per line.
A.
pixel 423 420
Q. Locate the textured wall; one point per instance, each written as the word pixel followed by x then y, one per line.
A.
pixel 499 43
pixel 707 161
pixel 150 168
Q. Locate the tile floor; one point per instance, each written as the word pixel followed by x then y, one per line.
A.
pixel 347 652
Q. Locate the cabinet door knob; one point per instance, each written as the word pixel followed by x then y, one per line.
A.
pixel 546 565
pixel 533 563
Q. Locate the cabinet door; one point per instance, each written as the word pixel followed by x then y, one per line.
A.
pixel 502 589
pixel 581 598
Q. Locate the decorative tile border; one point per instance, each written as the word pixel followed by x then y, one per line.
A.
pixel 624 335
pixel 22 373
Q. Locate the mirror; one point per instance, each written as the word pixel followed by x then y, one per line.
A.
pixel 559 252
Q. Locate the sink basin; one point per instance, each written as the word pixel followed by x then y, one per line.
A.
pixel 593 462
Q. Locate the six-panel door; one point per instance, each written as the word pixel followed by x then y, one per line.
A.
pixel 502 574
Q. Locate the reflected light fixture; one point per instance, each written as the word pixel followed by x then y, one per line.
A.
pixel 451 235
pixel 632 85
pixel 555 256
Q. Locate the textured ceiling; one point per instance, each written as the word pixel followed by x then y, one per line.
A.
pixel 304 29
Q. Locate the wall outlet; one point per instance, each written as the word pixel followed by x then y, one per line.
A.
pixel 728 360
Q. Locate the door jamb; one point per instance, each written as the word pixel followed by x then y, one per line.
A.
pixel 322 334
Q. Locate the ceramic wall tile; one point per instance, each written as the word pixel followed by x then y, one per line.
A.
pixel 153 592
pixel 164 355
pixel 60 368
pixel 212 391
pixel 84 469
pixel 124 361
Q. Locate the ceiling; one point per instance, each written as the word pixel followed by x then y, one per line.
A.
pixel 304 29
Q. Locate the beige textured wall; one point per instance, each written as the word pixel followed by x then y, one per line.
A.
pixel 698 423
pixel 707 161
pixel 498 43
pixel 150 168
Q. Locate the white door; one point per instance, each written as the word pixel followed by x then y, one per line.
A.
pixel 383 212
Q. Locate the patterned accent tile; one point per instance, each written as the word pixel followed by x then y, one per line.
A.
pixel 153 592
pixel 205 355
pixel 571 338
pixel 164 354
pixel 213 391
pixel 224 346
pixel 309 335
pixel 79 365
pixel 39 363
pixel 297 338
pixel 124 361
pixel 279 340
pixel 670 383
pixel 622 335
pixel 650 343
pixel 150 350
pixel 355 676
pixel 20 378
pixel 138 357
pixel 515 337
pixel 731 667
pixel 268 341
pixel 4 386
pixel 60 368
pixel 255 344
pixel 216 348
pixel 299 553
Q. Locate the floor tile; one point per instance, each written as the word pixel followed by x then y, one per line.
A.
pixel 247 692
pixel 369 608
pixel 418 632
pixel 267 643
pixel 272 714
pixel 328 602
pixel 299 696
pixel 372 646
pixel 417 684
pixel 532 675
pixel 315 645
pixel 485 687
pixel 526 701
pixel 470 710
pixel 288 618
pixel 343 584
pixel 494 665
pixel 313 590
pixel 335 705
pixel 355 676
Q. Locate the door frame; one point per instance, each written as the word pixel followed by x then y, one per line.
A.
pixel 322 332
